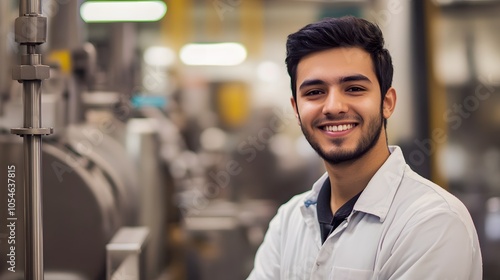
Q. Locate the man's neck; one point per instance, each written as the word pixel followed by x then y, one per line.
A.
pixel 350 178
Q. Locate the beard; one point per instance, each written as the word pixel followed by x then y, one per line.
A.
pixel 339 155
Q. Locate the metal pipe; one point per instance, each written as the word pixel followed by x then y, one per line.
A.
pixel 33 194
pixel 33 186
pixel 33 210
pixel 31 29
pixel 27 7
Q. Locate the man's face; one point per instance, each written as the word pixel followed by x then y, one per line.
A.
pixel 339 104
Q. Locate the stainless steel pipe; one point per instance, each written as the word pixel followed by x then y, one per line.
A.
pixel 33 185
pixel 30 7
pixel 30 31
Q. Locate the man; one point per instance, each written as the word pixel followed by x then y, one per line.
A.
pixel 369 216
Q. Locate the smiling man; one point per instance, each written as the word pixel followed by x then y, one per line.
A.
pixel 369 216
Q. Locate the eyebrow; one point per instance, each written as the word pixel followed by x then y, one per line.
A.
pixel 354 78
pixel 344 79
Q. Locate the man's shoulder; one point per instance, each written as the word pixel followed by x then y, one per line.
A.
pixel 427 196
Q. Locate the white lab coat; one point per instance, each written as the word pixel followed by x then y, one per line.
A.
pixel 402 227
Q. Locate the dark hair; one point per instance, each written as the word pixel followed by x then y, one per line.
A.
pixel 331 33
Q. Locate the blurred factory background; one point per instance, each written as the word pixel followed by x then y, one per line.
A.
pixel 178 124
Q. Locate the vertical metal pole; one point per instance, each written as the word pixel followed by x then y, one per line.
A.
pixel 30 31
pixel 33 185
pixel 30 7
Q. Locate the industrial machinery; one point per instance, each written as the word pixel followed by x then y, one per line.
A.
pixel 94 179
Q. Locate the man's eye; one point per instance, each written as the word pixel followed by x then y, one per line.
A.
pixel 314 92
pixel 355 89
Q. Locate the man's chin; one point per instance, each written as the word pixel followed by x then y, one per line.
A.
pixel 342 155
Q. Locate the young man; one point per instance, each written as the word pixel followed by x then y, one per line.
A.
pixel 369 216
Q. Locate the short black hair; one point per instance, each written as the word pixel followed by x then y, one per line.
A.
pixel 340 32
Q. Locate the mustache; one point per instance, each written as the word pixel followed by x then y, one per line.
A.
pixel 338 118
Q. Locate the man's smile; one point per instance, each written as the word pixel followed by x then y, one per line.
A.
pixel 338 130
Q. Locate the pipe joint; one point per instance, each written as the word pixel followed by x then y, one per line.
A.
pixel 31 29
pixel 30 72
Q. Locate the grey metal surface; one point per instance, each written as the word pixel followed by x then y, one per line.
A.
pixel 122 58
pixel 80 214
pixel 225 236
pixel 30 7
pixel 94 143
pixel 66 27
pixel 143 146
pixel 67 34
pixel 128 269
pixel 125 254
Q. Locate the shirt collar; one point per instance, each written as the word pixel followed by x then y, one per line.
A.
pixel 312 197
pixel 378 195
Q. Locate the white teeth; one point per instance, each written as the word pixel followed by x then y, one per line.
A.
pixel 336 128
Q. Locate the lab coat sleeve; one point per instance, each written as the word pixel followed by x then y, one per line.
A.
pixel 268 257
pixel 436 246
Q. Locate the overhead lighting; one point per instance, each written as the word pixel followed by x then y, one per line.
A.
pixel 213 54
pixel 123 11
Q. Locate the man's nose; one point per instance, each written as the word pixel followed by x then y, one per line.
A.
pixel 335 103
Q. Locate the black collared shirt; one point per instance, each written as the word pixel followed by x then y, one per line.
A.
pixel 327 221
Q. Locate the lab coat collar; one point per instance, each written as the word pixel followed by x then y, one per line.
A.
pixel 378 195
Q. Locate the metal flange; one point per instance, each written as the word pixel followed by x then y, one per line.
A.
pixel 32 131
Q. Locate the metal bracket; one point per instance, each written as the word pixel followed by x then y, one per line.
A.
pixel 32 131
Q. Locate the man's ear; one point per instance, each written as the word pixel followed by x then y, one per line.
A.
pixel 295 110
pixel 389 103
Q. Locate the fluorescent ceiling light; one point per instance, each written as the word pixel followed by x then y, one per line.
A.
pixel 124 11
pixel 213 54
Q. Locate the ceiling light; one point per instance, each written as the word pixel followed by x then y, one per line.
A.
pixel 122 11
